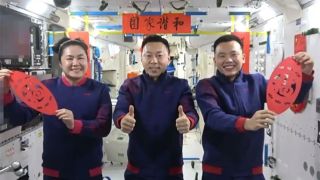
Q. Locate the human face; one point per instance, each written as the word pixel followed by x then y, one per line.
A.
pixel 74 63
pixel 229 58
pixel 155 59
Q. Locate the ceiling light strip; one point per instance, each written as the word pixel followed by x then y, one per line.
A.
pixel 111 27
pixel 196 13
pixel 94 13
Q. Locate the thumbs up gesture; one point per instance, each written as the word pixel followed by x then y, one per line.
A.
pixel 182 122
pixel 128 122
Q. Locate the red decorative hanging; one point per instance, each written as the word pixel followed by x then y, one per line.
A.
pixel 284 85
pixel 33 93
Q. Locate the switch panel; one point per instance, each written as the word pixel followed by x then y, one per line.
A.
pixel 318 136
pixel 318 105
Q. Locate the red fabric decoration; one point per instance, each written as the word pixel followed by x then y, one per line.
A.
pixel 300 43
pixel 284 85
pixel 245 38
pixel 298 108
pixel 33 93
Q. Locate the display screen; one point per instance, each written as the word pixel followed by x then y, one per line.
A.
pixel 14 35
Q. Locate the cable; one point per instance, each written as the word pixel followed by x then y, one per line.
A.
pixel 103 5
pixel 137 7
pixel 219 3
pixel 181 7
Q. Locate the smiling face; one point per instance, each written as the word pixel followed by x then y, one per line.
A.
pixel 74 63
pixel 229 58
pixel 155 59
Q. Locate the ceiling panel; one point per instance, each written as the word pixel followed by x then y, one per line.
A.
pixel 153 5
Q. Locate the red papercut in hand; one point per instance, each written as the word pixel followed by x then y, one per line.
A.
pixel 284 85
pixel 33 93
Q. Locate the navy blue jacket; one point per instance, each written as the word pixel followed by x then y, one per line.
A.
pixel 155 145
pixel 71 154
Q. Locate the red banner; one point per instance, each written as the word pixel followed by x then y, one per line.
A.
pixel 300 43
pixel 83 35
pixel 245 38
pixel 169 23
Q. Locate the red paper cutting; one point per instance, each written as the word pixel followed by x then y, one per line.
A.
pixel 284 85
pixel 33 93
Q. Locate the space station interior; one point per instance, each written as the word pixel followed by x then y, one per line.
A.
pixel 275 29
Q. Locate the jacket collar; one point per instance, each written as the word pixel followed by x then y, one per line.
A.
pixel 80 83
pixel 161 78
pixel 221 77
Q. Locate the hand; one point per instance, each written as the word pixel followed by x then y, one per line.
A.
pixel 128 122
pixel 66 116
pixel 182 122
pixel 4 75
pixel 260 119
pixel 306 62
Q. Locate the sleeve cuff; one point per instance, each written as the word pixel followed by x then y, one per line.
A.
pixel 8 98
pixel 240 124
pixel 77 127
pixel 192 122
pixel 118 121
pixel 307 77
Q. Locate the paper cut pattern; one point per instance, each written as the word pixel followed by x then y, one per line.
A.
pixel 33 93
pixel 284 85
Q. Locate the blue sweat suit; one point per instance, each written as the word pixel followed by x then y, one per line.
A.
pixel 71 154
pixel 230 152
pixel 155 145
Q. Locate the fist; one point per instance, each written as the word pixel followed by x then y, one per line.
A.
pixel 66 116
pixel 260 119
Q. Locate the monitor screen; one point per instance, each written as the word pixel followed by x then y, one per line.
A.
pixel 14 35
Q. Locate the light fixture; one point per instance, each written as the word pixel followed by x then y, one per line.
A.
pixel 141 10
pixel 103 5
pixel 62 3
pixel 179 5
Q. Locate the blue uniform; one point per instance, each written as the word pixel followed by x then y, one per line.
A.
pixel 155 145
pixel 229 150
pixel 71 154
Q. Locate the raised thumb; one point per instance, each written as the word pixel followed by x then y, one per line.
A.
pixel 180 110
pixel 131 110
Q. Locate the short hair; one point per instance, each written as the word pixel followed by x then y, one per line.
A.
pixel 155 38
pixel 66 42
pixel 227 38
